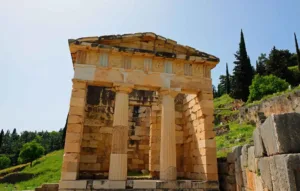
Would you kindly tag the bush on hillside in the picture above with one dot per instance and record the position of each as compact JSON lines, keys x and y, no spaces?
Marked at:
{"x":266,"y":85}
{"x":31,"y":151}
{"x":4,"y":162}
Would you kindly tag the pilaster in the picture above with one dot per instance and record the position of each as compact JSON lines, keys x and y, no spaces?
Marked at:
{"x":71,"y":159}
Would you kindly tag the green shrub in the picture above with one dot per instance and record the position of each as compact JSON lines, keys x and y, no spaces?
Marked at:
{"x":31,"y":151}
{"x":266,"y":85}
{"x":4,"y":162}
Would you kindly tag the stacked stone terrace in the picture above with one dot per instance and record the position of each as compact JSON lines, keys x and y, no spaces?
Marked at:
{"x":139,"y":102}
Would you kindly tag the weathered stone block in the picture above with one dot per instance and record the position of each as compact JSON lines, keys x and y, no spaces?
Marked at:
{"x":144,"y":184}
{"x":250,"y":180}
{"x":71,"y":157}
{"x":237,"y":151}
{"x":208,"y":143}
{"x":75,"y":119}
{"x":259,"y":150}
{"x":88,"y":158}
{"x":101,"y":184}
{"x":81,"y":93}
{"x":115,"y":184}
{"x":264,"y":172}
{"x":244,"y":157}
{"x":70,"y":166}
{"x":73,"y":137}
{"x":72,"y":148}
{"x":205,"y":135}
{"x":69,"y":175}
{"x":258,"y":183}
{"x":76,"y":184}
{"x":251,"y":159}
{"x":74,"y":128}
{"x":76,"y":111}
{"x":285,"y":173}
{"x":230,"y":158}
{"x":79,"y":84}
{"x":280,"y":133}
{"x":77,"y":102}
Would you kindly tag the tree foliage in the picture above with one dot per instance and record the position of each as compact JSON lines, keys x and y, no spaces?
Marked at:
{"x":4,"y":162}
{"x":228,"y":83}
{"x":242,"y":72}
{"x":261,"y":64}
{"x":266,"y":85}
{"x":12,"y":142}
{"x":31,"y":151}
{"x":1,"y":137}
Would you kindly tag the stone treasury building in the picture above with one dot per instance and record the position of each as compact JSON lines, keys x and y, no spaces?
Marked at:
{"x":140,"y":102}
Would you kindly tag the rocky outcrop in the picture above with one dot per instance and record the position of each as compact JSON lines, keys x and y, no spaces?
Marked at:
{"x":286,"y":103}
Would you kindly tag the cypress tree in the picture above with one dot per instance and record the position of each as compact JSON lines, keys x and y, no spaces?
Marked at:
{"x":1,"y":137}
{"x":228,"y":86}
{"x":242,"y":72}
{"x":297,"y":51}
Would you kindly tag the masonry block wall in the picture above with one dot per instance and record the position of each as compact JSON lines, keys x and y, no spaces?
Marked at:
{"x":199,"y":143}
{"x":273,"y":163}
{"x":95,"y":125}
{"x":139,"y":135}
{"x":70,"y":167}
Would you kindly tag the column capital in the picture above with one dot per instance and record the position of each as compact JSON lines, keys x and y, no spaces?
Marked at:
{"x":123,"y":87}
{"x":171,"y":92}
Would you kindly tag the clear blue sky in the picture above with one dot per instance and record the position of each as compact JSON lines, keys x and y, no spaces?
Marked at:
{"x":36,"y":68}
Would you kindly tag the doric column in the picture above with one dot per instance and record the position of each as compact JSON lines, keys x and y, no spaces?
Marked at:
{"x":118,"y":156}
{"x":168,"y":170}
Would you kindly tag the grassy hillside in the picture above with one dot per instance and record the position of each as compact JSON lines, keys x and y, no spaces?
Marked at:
{"x":239,"y":134}
{"x":45,"y":170}
{"x":226,"y":112}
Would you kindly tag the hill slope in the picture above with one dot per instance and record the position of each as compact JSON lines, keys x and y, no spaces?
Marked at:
{"x":45,"y":170}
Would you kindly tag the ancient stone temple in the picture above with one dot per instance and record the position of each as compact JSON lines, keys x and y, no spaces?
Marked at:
{"x":140,"y":102}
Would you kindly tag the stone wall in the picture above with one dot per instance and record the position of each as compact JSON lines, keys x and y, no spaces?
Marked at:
{"x":198,"y":138}
{"x":139,"y":131}
{"x":286,"y":103}
{"x":97,"y":133}
{"x":273,"y":163}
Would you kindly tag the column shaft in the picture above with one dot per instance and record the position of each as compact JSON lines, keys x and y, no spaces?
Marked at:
{"x":168,"y":169}
{"x":118,"y":157}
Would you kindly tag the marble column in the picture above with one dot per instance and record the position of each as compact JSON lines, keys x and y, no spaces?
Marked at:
{"x":168,"y":170}
{"x":118,"y":156}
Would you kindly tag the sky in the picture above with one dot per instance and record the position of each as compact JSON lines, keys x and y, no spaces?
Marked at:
{"x":36,"y":68}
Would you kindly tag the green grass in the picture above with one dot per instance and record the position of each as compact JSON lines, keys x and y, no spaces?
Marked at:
{"x":225,"y":102}
{"x":13,"y":169}
{"x":224,"y":109}
{"x":46,"y":169}
{"x":241,"y":132}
